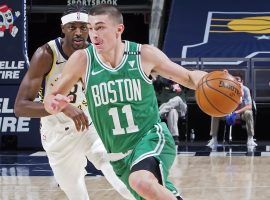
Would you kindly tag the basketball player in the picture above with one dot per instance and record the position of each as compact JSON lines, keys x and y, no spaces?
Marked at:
{"x":122,"y":103}
{"x":66,"y":148}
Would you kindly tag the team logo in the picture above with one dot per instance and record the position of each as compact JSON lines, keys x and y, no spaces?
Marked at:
{"x":232,"y":35}
{"x":7,"y":20}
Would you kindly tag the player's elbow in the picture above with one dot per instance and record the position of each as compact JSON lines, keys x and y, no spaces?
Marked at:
{"x":17,"y":109}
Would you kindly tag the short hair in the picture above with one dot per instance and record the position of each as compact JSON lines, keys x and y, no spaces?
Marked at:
{"x":74,"y":8}
{"x":107,"y":9}
{"x":238,"y":74}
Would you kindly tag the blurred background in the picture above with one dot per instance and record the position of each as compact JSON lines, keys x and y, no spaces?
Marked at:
{"x":209,"y":35}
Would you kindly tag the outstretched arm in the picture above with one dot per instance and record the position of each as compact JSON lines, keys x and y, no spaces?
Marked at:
{"x":40,"y":65}
{"x":74,"y":69}
{"x":154,"y":60}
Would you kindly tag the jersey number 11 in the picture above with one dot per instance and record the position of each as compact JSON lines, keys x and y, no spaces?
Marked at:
{"x":118,"y":130}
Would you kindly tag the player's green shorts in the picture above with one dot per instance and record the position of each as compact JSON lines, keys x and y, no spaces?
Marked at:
{"x":158,"y":143}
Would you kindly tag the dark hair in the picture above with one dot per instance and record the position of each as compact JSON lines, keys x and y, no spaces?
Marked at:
{"x":107,"y":9}
{"x":238,"y":74}
{"x":73,"y":8}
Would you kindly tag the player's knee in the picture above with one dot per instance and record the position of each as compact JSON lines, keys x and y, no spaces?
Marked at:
{"x":97,"y":154}
{"x":143,"y":183}
{"x":98,"y":159}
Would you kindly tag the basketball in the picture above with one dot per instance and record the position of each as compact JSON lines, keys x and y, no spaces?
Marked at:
{"x":218,"y":93}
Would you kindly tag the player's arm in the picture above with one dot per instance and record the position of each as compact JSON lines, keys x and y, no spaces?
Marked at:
{"x":154,"y":60}
{"x":74,"y":70}
{"x":40,"y":65}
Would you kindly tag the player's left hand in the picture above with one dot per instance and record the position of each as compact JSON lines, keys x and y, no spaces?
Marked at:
{"x":78,"y":116}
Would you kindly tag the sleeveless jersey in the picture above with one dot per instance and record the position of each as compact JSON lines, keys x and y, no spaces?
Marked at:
{"x":60,"y":120}
{"x":121,"y":101}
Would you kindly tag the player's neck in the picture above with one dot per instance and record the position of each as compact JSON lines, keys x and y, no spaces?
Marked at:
{"x":113,"y":57}
{"x":68,"y":50}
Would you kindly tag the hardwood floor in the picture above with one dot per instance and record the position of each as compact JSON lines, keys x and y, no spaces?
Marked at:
{"x":232,"y":175}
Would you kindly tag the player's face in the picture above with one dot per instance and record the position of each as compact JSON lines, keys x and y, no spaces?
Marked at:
{"x":104,"y":33}
{"x":76,"y":34}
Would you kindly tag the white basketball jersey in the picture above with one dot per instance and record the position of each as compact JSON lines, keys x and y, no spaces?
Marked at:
{"x":60,"y":120}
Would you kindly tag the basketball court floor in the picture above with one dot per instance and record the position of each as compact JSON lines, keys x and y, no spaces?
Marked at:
{"x":231,"y":172}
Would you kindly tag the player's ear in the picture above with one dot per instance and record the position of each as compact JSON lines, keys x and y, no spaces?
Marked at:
{"x":62,"y":28}
{"x":120,"y":29}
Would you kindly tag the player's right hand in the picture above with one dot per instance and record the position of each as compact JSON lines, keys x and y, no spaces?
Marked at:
{"x":56,"y":103}
{"x":77,"y":115}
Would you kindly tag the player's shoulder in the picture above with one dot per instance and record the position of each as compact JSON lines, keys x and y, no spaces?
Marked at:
{"x":146,"y":48}
{"x":44,"y":51}
{"x":49,"y":47}
{"x":150,"y":50}
{"x":152,"y":54}
{"x":80,"y":53}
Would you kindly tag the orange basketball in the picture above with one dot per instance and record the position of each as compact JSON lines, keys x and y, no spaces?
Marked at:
{"x":218,"y":94}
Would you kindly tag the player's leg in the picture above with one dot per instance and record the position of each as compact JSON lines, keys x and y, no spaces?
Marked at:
{"x":98,"y":156}
{"x":151,"y":162}
{"x":146,"y":180}
{"x":68,"y":161}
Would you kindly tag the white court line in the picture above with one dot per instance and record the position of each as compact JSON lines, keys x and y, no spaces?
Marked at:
{"x":199,"y":188}
{"x":26,"y":164}
{"x":265,"y":153}
{"x":186,"y":154}
{"x":218,"y":154}
{"x":39,"y":153}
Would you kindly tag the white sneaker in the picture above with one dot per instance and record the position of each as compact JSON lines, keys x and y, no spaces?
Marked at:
{"x":251,"y":142}
{"x":213,"y":142}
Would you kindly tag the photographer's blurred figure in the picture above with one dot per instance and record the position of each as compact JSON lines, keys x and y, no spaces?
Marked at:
{"x":169,"y":95}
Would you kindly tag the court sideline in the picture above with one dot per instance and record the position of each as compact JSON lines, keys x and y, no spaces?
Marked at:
{"x":229,"y":172}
